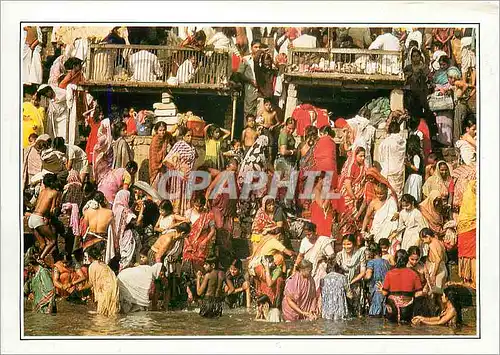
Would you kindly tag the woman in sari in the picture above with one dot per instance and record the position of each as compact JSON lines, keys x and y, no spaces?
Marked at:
{"x":122,"y":153}
{"x":269,"y":279}
{"x":325,"y":154}
{"x":401,"y":285}
{"x":440,"y":181}
{"x":351,"y":184}
{"x":461,"y":177}
{"x":305,"y":152}
{"x":33,"y":119}
{"x":93,"y":119}
{"x":423,"y":304}
{"x":73,"y":190}
{"x":431,"y":210}
{"x":264,"y":224}
{"x":466,"y":229}
{"x":255,"y":160}
{"x":352,"y":261}
{"x":373,"y":178}
{"x":376,"y":269}
{"x":44,"y":295}
{"x":104,"y":285}
{"x":301,"y":299}
{"x":103,"y":152}
{"x":199,"y":242}
{"x":160,"y":144}
{"x":181,"y":158}
{"x":317,"y":250}
{"x":117,"y":179}
{"x":125,"y":237}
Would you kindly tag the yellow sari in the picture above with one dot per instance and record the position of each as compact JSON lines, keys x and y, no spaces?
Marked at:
{"x":33,"y":118}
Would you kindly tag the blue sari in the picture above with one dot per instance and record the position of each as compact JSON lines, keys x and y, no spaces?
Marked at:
{"x":379,"y":268}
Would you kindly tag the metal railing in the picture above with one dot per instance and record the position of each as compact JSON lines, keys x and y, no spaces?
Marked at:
{"x":346,"y":61}
{"x":156,"y":65}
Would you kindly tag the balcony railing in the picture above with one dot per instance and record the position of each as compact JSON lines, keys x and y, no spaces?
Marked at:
{"x":346,"y":63}
{"x":149,"y":66}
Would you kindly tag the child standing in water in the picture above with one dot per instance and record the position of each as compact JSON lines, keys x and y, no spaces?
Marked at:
{"x":376,"y":268}
{"x":209,"y":287}
{"x":214,"y":136}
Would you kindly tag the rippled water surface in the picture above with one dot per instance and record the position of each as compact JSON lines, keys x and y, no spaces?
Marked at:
{"x":75,"y":320}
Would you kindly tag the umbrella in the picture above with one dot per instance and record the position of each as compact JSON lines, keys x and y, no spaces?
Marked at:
{"x":148,"y":189}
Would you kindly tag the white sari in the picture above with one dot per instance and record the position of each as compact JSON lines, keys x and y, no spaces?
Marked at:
{"x":382,"y":226}
{"x":323,"y":247}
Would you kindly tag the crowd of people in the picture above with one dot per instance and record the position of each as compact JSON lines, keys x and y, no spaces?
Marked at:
{"x":377,"y":236}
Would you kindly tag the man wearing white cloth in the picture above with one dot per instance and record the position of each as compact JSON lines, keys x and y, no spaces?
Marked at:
{"x":32,"y":61}
{"x":392,"y":152}
{"x":384,"y":210}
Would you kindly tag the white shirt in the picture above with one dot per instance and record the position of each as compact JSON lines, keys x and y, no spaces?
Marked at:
{"x":134,"y":283}
{"x":145,"y":66}
{"x":392,"y":153}
{"x":305,"y":41}
{"x":185,"y":72}
{"x":386,"y":42}
{"x":467,"y":151}
{"x":220,"y":41}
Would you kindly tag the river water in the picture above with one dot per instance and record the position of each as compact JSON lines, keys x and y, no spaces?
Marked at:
{"x":75,"y":320}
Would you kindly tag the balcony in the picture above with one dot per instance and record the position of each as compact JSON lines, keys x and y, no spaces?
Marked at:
{"x":156,"y":67}
{"x":345,"y":67}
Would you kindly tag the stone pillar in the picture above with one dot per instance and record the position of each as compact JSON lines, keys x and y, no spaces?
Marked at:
{"x":291,"y":100}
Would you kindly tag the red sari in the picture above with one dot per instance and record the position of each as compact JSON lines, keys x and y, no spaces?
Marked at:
{"x":197,"y":245}
{"x":356,"y":174}
{"x":92,"y":140}
{"x":157,"y":152}
{"x":325,"y":157}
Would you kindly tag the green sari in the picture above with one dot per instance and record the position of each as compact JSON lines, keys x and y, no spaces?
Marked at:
{"x":44,"y":292}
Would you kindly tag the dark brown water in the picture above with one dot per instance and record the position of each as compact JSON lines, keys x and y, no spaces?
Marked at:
{"x":75,"y":320}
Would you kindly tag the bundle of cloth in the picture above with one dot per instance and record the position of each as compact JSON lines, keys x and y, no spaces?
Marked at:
{"x":376,"y":111}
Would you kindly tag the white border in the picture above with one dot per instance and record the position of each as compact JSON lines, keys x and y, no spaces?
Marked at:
{"x":485,"y":13}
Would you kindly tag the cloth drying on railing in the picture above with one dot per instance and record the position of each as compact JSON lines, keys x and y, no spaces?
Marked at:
{"x":74,"y":221}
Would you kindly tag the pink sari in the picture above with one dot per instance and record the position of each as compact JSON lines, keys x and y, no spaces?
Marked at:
{"x":303,"y":292}
{"x":103,"y":152}
{"x":123,"y":241}
{"x":112,"y":183}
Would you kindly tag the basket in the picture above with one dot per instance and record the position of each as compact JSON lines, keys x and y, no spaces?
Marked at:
{"x":196,"y":127}
{"x":440,"y":102}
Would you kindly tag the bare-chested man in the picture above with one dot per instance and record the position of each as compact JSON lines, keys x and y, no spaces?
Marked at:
{"x":270,"y":116}
{"x":98,"y":218}
{"x":47,"y":206}
{"x":384,"y":210}
{"x":209,"y":286}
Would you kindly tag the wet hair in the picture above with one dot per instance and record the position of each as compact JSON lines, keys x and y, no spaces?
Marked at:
{"x":150,"y":213}
{"x":409,"y":199}
{"x":50,"y":180}
{"x":118,"y":127}
{"x":237,"y":264}
{"x":167,"y":207}
{"x":183,"y":228}
{"x":199,"y":199}
{"x":459,"y":297}
{"x":289,"y":120}
{"x":401,"y":259}
{"x":89,"y":188}
{"x":131,"y":166}
{"x":468,"y":123}
{"x":394,"y":127}
{"x":327,"y":130}
{"x":58,"y":144}
{"x":267,"y":100}
{"x":374,"y":249}
{"x":304,"y":265}
{"x":310,"y":227}
{"x":384,"y":242}
{"x":349,"y":237}
{"x":72,"y":62}
{"x":426,"y":232}
{"x":444,"y":59}
{"x":414,"y":250}
{"x":160,"y":124}
{"x":100,"y":199}
{"x":413,"y":146}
